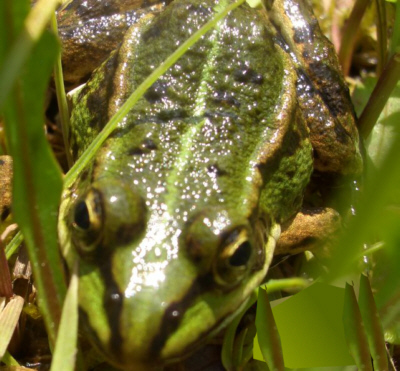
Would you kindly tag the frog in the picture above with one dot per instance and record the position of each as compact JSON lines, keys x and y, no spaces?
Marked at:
{"x":174,"y":222}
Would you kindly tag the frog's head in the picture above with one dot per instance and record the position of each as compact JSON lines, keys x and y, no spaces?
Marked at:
{"x":154,"y":285}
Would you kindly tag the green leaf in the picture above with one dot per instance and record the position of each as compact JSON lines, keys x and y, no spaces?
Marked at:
{"x":372,"y":325}
{"x":354,"y":331}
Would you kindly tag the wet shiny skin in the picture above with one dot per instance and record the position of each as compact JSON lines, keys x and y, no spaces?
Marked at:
{"x":175,"y":220}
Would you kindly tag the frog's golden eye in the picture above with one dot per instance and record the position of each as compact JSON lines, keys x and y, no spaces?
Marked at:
{"x":233,"y":260}
{"x":108,"y":215}
{"x":87,"y":221}
{"x":81,"y":215}
{"x":242,"y":255}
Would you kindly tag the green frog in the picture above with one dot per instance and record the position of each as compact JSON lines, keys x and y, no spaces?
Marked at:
{"x":175,"y":220}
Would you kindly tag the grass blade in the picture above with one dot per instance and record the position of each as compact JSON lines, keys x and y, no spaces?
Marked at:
{"x":372,"y":325}
{"x":66,"y":345}
{"x":9,"y":360}
{"x":37,"y":179}
{"x":354,"y":331}
{"x":386,"y":83}
{"x":268,"y":336}
{"x":349,"y":34}
{"x":8,"y":321}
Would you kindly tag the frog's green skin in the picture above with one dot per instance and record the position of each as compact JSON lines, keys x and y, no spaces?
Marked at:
{"x":175,"y":220}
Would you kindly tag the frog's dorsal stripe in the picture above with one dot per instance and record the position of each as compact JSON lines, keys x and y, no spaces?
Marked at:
{"x":203,"y":91}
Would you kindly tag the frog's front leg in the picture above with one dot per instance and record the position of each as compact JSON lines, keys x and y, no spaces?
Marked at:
{"x":309,"y":229}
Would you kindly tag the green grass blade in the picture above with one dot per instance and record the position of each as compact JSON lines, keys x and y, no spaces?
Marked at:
{"x":382,"y":34}
{"x":12,"y":247}
{"x":8,"y":321}
{"x":268,"y":336}
{"x":37,"y":179}
{"x":372,"y":324}
{"x":395,"y":40}
{"x":66,"y":345}
{"x":377,"y":101}
{"x":9,"y":360}
{"x":294,"y":284}
{"x":354,"y":331}
{"x":138,"y":93}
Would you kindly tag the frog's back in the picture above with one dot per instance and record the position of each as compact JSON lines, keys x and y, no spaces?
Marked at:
{"x":201,"y":131}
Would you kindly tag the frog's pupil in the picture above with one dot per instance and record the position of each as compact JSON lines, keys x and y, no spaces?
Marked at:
{"x":242,"y":255}
{"x":81,"y":215}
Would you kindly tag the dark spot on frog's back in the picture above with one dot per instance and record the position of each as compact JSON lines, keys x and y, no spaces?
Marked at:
{"x":292,"y":142}
{"x":156,"y":92}
{"x":225,"y":98}
{"x":333,"y":91}
{"x":341,"y":135}
{"x":216,"y":169}
{"x":173,"y":114}
{"x":248,"y":75}
{"x":98,"y":100}
{"x":305,"y":36}
{"x":146,"y":146}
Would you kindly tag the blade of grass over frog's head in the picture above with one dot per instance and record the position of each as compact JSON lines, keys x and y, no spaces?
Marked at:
{"x":34,"y":25}
{"x":61,"y":96}
{"x":138,"y":93}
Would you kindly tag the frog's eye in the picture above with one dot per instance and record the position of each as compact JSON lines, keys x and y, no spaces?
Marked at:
{"x":108,"y":215}
{"x":87,"y":221}
{"x":81,"y":215}
{"x":242,"y":255}
{"x":233,"y":260}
